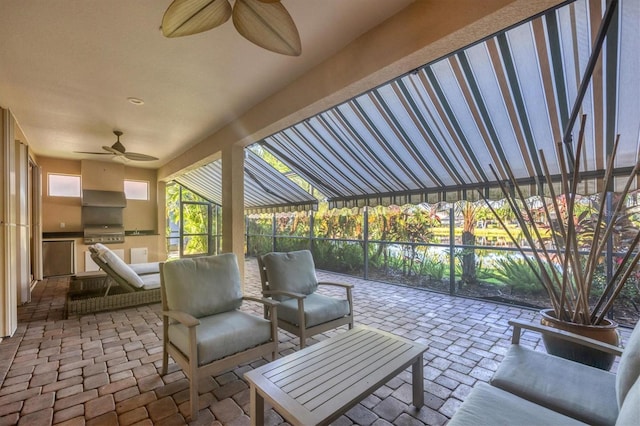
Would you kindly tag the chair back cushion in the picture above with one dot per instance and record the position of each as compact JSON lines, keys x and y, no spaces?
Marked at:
{"x":629,"y":367}
{"x":203,"y":286}
{"x":293,"y":271}
{"x":120,"y":268}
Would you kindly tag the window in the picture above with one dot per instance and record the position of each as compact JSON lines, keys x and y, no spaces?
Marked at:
{"x":63,"y":185}
{"x":136,"y":190}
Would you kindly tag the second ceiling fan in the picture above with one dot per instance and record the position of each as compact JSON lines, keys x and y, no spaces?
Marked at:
{"x":119,"y":150}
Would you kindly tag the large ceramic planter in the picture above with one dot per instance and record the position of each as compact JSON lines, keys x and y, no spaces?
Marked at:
{"x":607,"y":333}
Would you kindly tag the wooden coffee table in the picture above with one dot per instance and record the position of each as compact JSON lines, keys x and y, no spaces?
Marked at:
{"x":319,"y":383}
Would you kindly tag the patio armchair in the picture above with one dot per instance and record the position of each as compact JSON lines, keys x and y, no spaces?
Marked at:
{"x":533,"y":387}
{"x":203,"y":330}
{"x":290,"y":278}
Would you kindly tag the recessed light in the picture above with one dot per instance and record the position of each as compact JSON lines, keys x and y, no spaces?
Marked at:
{"x":136,"y":101}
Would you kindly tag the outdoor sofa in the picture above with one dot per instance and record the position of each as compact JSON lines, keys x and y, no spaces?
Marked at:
{"x":123,"y":286}
{"x":535,"y":388}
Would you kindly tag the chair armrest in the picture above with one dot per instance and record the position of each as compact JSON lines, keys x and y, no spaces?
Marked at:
{"x":262,"y":300}
{"x":182,"y":317}
{"x":344,"y":285}
{"x":518,"y":325}
{"x":284,"y":293}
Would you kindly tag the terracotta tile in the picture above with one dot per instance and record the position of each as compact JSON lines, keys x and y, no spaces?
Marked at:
{"x":99,"y":406}
{"x":162,"y":408}
{"x":73,"y":412}
{"x":38,"y":418}
{"x":133,"y":416}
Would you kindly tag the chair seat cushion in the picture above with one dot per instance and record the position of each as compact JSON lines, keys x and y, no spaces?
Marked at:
{"x":576,"y":390}
{"x":221,"y":335}
{"x":318,"y":309}
{"x":630,"y":410}
{"x":150,"y":281}
{"x":487,"y":405}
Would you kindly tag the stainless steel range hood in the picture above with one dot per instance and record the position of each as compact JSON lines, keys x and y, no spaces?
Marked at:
{"x":95,"y":198}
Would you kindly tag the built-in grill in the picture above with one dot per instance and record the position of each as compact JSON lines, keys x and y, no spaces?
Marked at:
{"x":105,"y":234}
{"x":102,"y":216}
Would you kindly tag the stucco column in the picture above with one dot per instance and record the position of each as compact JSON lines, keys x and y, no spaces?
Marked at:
{"x":233,"y":204}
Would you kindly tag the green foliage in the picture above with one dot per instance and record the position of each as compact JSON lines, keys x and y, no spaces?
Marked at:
{"x":515,"y":273}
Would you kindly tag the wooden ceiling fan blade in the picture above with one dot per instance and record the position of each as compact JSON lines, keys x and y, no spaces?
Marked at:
{"x":112,"y":150}
{"x":92,"y":152}
{"x":186,"y":17}
{"x":268,"y":25}
{"x":135,"y":156}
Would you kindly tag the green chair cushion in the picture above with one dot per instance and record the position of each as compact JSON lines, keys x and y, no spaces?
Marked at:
{"x":221,"y":335}
{"x":574,"y":389}
{"x":203,"y":286}
{"x":318,"y":309}
{"x":630,"y":410}
{"x":487,"y":405}
{"x":293,"y":271}
{"x":629,"y":367}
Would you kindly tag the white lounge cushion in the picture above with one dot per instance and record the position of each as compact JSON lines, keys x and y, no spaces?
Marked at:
{"x":119,"y":267}
{"x":150,"y":281}
{"x":145,"y":268}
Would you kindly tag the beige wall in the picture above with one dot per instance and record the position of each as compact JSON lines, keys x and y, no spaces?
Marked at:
{"x":107,"y":176}
{"x":57,"y":210}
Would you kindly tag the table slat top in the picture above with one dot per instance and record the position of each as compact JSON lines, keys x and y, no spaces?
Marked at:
{"x":317,"y":381}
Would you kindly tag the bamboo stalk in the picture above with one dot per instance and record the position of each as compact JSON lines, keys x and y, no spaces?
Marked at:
{"x":613,"y":279}
{"x":618,"y":288}
{"x":562,"y":255}
{"x":546,"y":281}
{"x":594,"y":254}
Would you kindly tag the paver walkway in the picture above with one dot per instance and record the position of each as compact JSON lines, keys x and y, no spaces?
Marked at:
{"x":103,"y":369}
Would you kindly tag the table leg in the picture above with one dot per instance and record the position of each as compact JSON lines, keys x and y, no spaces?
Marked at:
{"x":418,"y":382}
{"x":257,"y":407}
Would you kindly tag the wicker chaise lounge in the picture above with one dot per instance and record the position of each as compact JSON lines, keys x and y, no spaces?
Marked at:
{"x":124,"y":285}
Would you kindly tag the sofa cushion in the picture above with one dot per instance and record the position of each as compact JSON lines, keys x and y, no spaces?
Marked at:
{"x":203,"y":286}
{"x":318,"y":309}
{"x":222,"y":335}
{"x":293,"y":271}
{"x":120,"y":268}
{"x":559,"y":384}
{"x":488,"y":405}
{"x":629,"y":367}
{"x":630,"y":410}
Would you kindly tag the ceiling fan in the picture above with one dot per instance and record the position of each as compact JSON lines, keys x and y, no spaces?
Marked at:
{"x":263,"y":22}
{"x":119,"y":150}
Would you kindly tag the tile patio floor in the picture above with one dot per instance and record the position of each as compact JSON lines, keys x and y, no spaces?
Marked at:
{"x":103,"y":369}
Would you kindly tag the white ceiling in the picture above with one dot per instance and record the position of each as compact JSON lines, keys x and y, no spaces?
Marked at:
{"x":67,"y":68}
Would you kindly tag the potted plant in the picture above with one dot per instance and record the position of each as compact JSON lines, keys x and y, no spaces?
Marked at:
{"x":565,"y":249}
